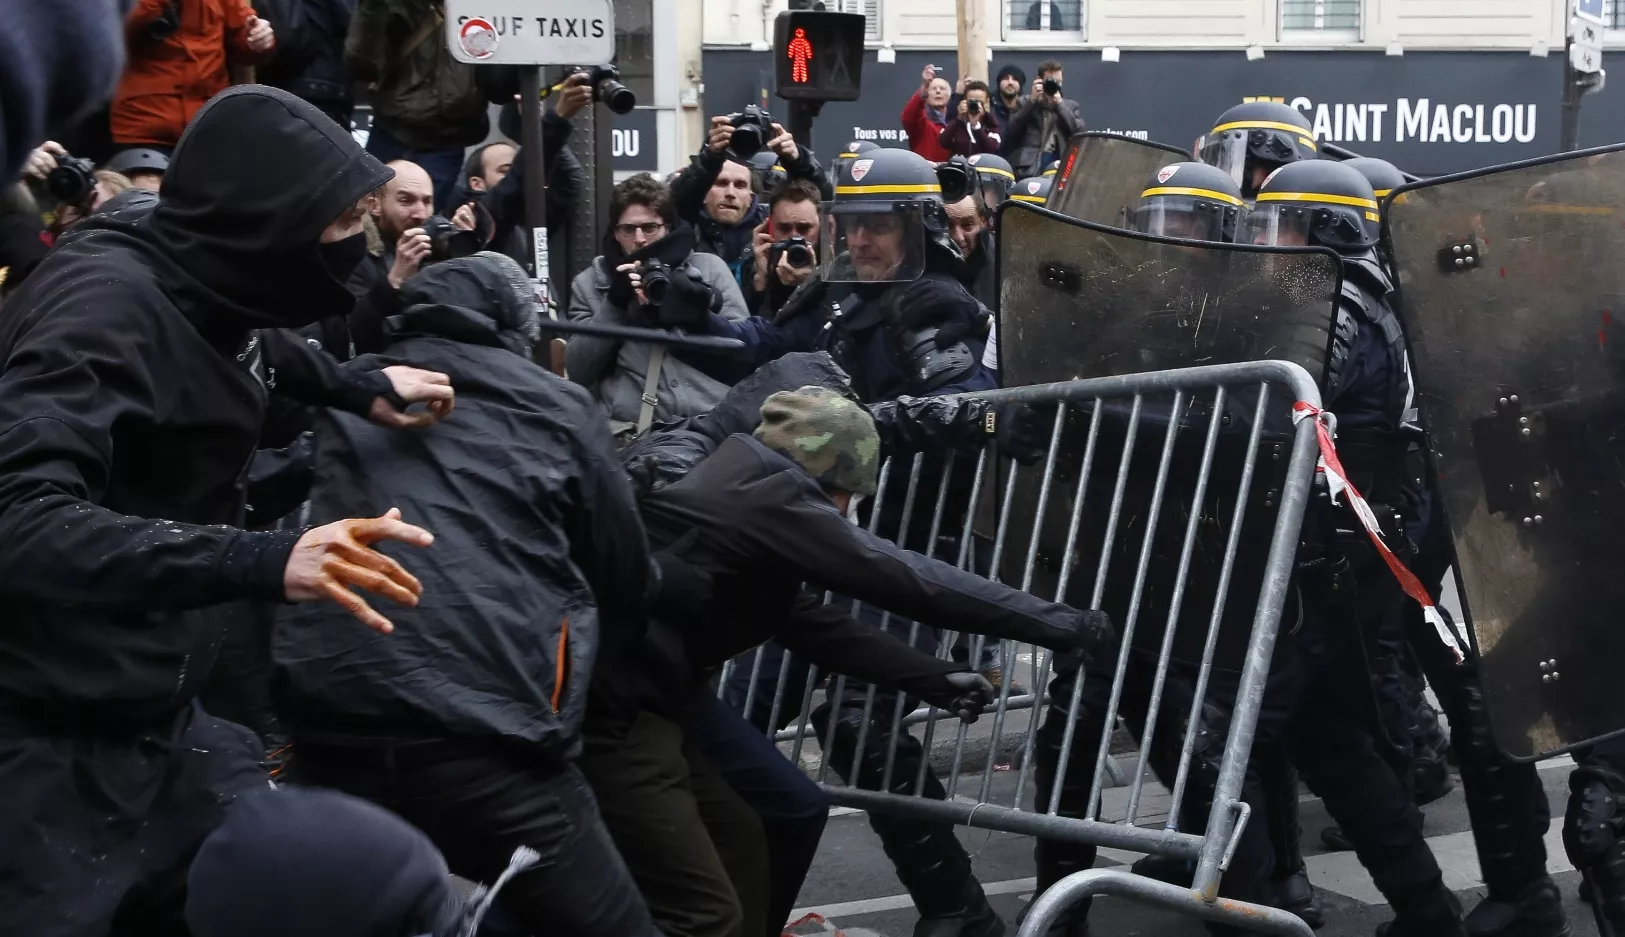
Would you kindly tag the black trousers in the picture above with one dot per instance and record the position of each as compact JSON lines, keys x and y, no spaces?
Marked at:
{"x":478,"y":804}
{"x":695,"y":848}
{"x":97,"y":832}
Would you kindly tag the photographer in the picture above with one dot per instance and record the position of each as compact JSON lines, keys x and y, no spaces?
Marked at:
{"x":179,"y":53}
{"x":57,"y":190}
{"x":925,"y":116}
{"x":714,"y":193}
{"x":495,"y":174}
{"x":784,"y":252}
{"x":638,"y":384}
{"x":973,"y":129}
{"x":1038,"y":132}
{"x":397,"y":246}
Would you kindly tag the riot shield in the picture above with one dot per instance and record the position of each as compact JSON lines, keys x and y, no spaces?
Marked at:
{"x":1511,"y":283}
{"x":1103,"y":174}
{"x":1080,"y":300}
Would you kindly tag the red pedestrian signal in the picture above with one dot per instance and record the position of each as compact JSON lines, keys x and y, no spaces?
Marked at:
{"x":818,"y":55}
{"x":801,"y":52}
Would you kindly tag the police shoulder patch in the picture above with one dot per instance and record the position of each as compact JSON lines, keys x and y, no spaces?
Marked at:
{"x":861,"y":169}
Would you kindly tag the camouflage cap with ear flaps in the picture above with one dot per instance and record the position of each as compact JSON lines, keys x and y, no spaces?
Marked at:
{"x":830,"y":437}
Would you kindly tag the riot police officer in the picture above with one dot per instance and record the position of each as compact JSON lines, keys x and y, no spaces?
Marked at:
{"x":1033,"y":190}
{"x":1351,"y":598}
{"x":889,"y":307}
{"x":995,"y":176}
{"x":1384,"y":176}
{"x":769,"y":172}
{"x":1250,"y":141}
{"x":1190,"y":200}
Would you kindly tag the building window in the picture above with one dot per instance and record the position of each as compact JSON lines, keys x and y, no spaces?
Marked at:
{"x":1614,"y":14}
{"x":1043,"y":16}
{"x":1327,"y":19}
{"x":872,"y":12}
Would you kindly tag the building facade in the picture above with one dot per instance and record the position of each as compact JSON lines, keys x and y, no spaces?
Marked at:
{"x":1436,"y":85}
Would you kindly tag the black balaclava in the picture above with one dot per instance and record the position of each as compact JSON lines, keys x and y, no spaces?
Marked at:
{"x":255,"y":179}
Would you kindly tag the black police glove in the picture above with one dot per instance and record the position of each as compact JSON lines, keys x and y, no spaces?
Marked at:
{"x":965,"y":695}
{"x":687,"y":304}
{"x":943,"y":304}
{"x":1021,"y":432}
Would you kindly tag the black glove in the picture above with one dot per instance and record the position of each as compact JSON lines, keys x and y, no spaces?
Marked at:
{"x":1021,"y":432}
{"x":963,"y":694}
{"x":1091,"y":631}
{"x":683,"y":589}
{"x":942,"y":303}
{"x":687,"y":304}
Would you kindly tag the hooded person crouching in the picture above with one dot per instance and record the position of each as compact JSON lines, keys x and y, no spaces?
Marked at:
{"x":466,"y":720}
{"x":135,"y":369}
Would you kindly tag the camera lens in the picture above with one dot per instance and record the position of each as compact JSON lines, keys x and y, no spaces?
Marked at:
{"x":655,"y":281}
{"x":71,"y":181}
{"x":746,"y":141}
{"x":1051,"y":86}
{"x":798,"y":256}
{"x":616,"y":96}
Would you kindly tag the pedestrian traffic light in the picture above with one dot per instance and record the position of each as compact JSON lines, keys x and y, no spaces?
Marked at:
{"x":818,"y":56}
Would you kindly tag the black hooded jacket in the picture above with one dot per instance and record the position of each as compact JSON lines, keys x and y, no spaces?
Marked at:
{"x":133,"y":384}
{"x":539,"y":557}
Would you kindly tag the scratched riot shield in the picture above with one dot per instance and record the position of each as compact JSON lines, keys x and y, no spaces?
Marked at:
{"x":1512,"y":289}
{"x":1103,"y":174}
{"x":1081,"y":300}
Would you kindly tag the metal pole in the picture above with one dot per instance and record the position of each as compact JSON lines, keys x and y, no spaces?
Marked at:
{"x":1572,"y":92}
{"x":530,"y":115}
{"x":801,"y":120}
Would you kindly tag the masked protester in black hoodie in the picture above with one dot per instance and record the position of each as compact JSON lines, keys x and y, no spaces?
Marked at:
{"x":135,"y":367}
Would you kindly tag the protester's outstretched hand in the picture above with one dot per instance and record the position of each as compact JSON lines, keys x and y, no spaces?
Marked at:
{"x":414,"y":385}
{"x":328,"y":560}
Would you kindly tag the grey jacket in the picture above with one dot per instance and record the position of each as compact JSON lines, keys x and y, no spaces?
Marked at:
{"x":615,"y":371}
{"x":1032,"y":124}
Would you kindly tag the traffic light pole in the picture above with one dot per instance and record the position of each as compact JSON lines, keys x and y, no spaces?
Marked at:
{"x":801,"y":120}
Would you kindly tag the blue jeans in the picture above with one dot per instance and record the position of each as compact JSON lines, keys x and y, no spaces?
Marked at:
{"x":443,"y":166}
{"x":792,"y":808}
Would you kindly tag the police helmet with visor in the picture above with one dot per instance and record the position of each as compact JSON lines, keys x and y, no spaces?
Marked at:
{"x":769,"y":173}
{"x":1249,"y":140}
{"x":995,"y":176}
{"x":1190,"y":200}
{"x":1034,"y":190}
{"x":1320,"y":203}
{"x":886,"y":214}
{"x":851,"y":152}
{"x":1384,"y":176}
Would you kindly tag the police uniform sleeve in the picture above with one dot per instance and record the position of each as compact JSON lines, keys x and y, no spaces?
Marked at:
{"x":790,"y":527}
{"x":828,"y":635}
{"x":65,"y":387}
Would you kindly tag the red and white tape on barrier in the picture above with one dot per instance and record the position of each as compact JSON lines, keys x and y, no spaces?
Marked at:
{"x":1338,"y":481}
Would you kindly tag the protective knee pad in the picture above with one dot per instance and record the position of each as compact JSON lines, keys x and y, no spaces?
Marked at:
{"x":1592,"y":836}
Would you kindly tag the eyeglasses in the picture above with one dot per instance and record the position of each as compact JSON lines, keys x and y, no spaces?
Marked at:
{"x":649,"y":229}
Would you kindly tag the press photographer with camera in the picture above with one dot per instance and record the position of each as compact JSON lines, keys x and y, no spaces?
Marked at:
{"x":1038,"y":131}
{"x":784,"y":251}
{"x":973,"y":129}
{"x":715,"y":192}
{"x":650,"y":274}
{"x":403,"y":234}
{"x":56,"y":190}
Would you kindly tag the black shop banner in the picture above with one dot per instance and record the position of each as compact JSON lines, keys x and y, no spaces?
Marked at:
{"x":1428,"y":112}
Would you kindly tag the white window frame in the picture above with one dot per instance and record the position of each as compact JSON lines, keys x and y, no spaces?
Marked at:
{"x":1317,"y":36}
{"x":1042,"y":36}
{"x":1612,"y":35}
{"x":874,"y":12}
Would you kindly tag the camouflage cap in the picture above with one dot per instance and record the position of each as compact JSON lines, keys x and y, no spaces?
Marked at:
{"x":829,"y":436}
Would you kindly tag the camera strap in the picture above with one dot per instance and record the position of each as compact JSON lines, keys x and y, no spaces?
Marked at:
{"x":651,"y":389}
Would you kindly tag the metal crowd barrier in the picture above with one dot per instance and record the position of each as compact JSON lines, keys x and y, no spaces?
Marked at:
{"x":1225,"y":393}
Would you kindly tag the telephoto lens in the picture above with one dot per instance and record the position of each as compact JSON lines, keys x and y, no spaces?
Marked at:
{"x":607,"y":88}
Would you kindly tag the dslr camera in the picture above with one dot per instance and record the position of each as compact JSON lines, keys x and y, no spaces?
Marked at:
{"x":72,"y":181}
{"x":753,"y":127}
{"x":662,"y":282}
{"x":447,"y":241}
{"x":1051,"y":86}
{"x":796,"y":251}
{"x":973,"y":106}
{"x":608,"y":90}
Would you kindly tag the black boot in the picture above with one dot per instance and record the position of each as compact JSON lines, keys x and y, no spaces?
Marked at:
{"x":1435,"y":912}
{"x":975,"y":919}
{"x":1535,"y":912}
{"x":1295,"y":895}
{"x":1168,"y":869}
{"x":1332,"y":838}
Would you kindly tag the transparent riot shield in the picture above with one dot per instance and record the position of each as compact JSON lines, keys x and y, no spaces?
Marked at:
{"x":1081,"y":300}
{"x":1511,"y":289}
{"x":1103,"y":174}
